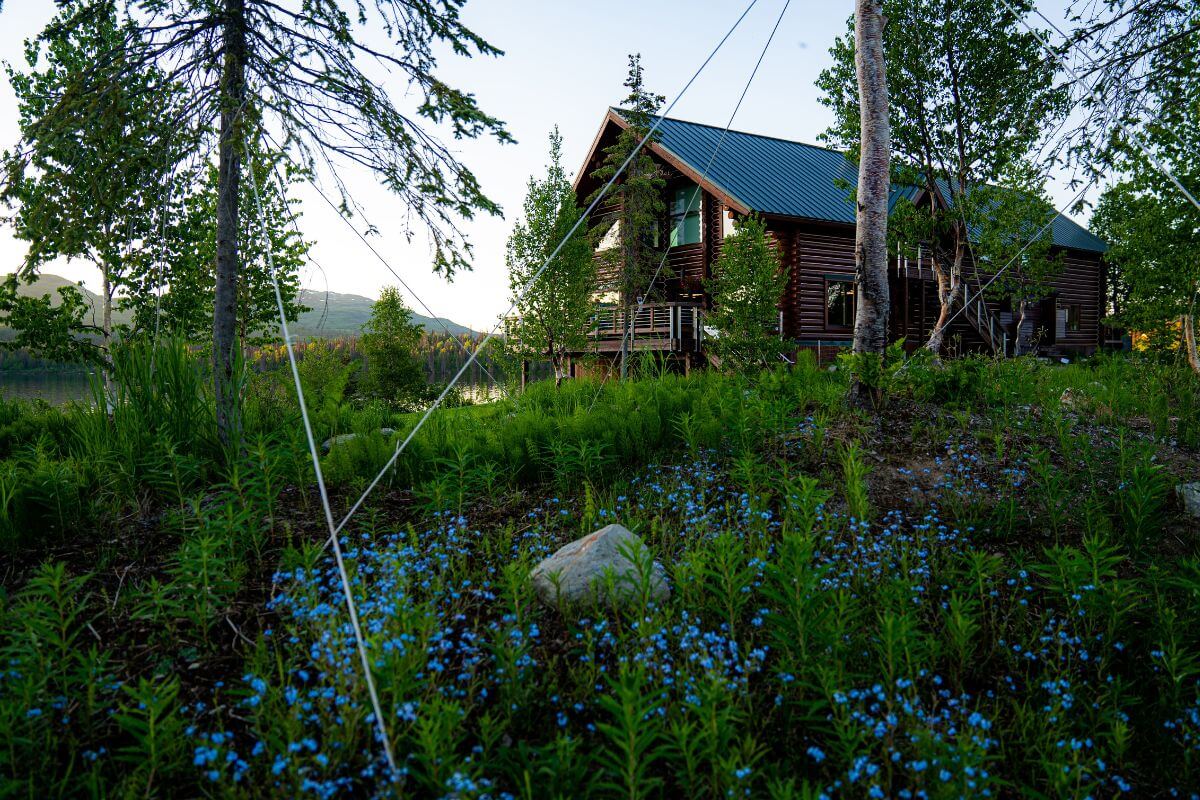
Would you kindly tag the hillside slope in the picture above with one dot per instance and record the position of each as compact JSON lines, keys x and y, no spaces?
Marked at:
{"x":332,"y":315}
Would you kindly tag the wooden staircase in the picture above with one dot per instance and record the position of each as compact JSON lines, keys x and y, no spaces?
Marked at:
{"x":989,"y":327}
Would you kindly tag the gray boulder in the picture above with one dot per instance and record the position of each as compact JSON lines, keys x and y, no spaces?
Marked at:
{"x":597,"y":568}
{"x":342,"y":438}
{"x":1189,"y":496}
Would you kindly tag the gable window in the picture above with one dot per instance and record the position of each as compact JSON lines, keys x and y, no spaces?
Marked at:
{"x":839,"y":302}
{"x":685,"y":216}
{"x":1073,"y":314}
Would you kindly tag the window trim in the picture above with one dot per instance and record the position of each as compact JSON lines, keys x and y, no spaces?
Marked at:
{"x":834,"y":278}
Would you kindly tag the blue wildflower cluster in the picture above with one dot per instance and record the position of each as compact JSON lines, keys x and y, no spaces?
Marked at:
{"x":915,"y":744}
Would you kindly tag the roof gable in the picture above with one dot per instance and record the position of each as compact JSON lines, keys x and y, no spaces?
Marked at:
{"x":779,"y":177}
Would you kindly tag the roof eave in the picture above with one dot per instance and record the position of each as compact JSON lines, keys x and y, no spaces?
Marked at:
{"x":676,"y":161}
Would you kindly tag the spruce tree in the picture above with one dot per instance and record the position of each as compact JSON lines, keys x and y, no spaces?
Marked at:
{"x":746,"y":288}
{"x":638,"y":201}
{"x":298,"y":70}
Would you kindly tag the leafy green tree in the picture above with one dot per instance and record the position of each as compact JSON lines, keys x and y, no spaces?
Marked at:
{"x":184,"y":257}
{"x":971,"y":96}
{"x":553,"y":316}
{"x":1121,"y":53}
{"x":1155,"y":248}
{"x":1152,"y":228}
{"x":389,"y":343}
{"x":746,"y":287}
{"x":298,"y":69}
{"x":1013,"y":236}
{"x":636,"y":198}
{"x":57,"y":328}
{"x":87,"y":186}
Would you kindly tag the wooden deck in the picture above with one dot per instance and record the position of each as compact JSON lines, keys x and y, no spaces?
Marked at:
{"x":661,"y":327}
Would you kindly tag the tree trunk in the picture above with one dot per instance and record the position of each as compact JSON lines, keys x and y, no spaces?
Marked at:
{"x":233,"y":92}
{"x":1188,"y":323}
{"x":1022,"y":310}
{"x":556,"y":360}
{"x":870,"y":246}
{"x":626,"y":341}
{"x":949,"y":288}
{"x":107,"y":291}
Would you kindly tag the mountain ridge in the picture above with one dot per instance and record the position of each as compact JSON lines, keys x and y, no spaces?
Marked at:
{"x":331,"y":315}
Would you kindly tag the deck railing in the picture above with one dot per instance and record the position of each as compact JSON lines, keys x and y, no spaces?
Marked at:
{"x":674,"y":326}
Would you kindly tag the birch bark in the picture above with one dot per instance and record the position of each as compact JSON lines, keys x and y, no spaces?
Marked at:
{"x":874,"y":173}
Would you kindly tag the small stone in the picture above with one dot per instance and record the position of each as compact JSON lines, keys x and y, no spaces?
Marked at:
{"x":579,"y":573}
{"x":1189,"y":496}
{"x":342,"y":438}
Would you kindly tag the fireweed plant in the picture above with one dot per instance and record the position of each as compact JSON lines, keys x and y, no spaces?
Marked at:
{"x":985,"y":593}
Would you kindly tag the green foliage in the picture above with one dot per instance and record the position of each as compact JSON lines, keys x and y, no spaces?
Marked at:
{"x":637,"y":195}
{"x":876,"y":373}
{"x":746,"y":287}
{"x":90,"y":184}
{"x":1022,"y":615}
{"x":1152,"y":228}
{"x":174,"y":294}
{"x":554,"y":313}
{"x":971,"y":96}
{"x":49,"y":327}
{"x":392,"y":373}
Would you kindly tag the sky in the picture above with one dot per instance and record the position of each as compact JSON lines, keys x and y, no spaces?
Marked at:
{"x":564,"y":63}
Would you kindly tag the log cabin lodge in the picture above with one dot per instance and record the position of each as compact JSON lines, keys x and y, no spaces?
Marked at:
{"x":802,"y":193}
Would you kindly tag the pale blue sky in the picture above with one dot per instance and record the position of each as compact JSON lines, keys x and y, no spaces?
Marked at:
{"x":564,"y":64}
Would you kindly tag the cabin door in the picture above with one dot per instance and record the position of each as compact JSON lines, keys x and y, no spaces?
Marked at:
{"x":1047,"y":330}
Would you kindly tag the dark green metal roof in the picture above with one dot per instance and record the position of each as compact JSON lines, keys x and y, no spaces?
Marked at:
{"x":793,"y":179}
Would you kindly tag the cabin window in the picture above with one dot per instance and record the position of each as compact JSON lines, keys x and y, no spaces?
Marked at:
{"x":1073,"y":314}
{"x":685,"y":216}
{"x":839,"y":302}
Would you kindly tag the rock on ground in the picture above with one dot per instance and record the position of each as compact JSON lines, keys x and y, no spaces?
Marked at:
{"x":579,"y":572}
{"x":1189,"y":495}
{"x":342,"y":438}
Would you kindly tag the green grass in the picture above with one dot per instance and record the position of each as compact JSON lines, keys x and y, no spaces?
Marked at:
{"x":981,"y":593}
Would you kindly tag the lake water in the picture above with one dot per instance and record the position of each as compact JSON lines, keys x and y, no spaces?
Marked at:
{"x":56,"y":388}
{"x":59,"y":388}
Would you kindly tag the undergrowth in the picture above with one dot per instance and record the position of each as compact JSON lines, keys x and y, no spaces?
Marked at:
{"x":990,"y":590}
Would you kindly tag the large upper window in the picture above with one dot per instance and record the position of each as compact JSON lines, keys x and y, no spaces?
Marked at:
{"x":839,"y":302}
{"x":685,"y":216}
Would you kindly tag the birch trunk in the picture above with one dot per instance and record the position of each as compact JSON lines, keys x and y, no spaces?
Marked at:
{"x":233,"y":91}
{"x":949,"y":288}
{"x":1018,"y":343}
{"x":1188,"y":323}
{"x":870,"y":246}
{"x":107,"y":290}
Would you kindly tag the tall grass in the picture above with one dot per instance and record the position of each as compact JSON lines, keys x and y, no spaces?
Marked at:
{"x":1020,"y":617}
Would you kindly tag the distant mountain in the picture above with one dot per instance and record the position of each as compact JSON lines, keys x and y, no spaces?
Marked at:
{"x":332,"y":316}
{"x":338,"y":314}
{"x":50,"y":284}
